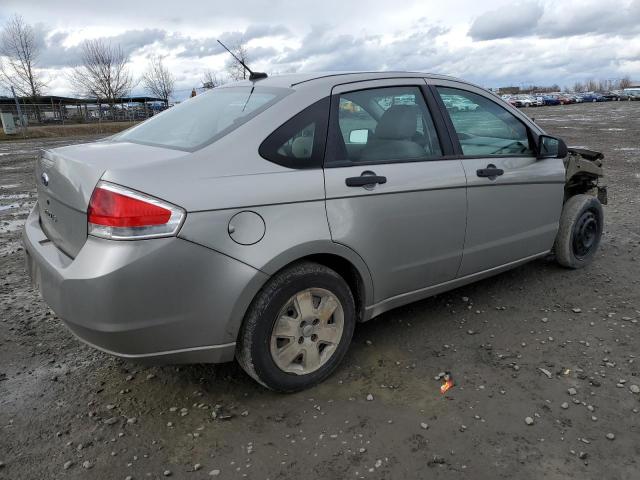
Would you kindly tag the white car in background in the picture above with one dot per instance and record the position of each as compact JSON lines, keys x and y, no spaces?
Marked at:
{"x":525,"y":101}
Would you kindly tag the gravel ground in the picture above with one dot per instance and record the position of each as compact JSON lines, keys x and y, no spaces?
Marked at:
{"x":543,"y":359}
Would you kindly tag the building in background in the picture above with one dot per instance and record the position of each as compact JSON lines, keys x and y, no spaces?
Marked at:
{"x":634,"y":87}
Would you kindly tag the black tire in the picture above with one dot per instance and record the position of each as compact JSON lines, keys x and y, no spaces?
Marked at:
{"x":253,"y":348}
{"x":581,"y":225}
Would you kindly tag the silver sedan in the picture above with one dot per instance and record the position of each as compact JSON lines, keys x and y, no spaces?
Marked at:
{"x":263,"y":219}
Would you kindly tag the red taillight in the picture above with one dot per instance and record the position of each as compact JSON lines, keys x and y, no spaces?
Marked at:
{"x":118,"y":213}
{"x":113,"y":209}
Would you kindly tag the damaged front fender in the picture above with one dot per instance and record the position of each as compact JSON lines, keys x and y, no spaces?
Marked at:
{"x":583,"y":173}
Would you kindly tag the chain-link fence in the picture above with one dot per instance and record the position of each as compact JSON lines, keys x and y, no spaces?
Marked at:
{"x":77,"y":111}
{"x":56,"y":110}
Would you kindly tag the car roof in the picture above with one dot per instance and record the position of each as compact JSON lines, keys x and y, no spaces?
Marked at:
{"x":331,"y":79}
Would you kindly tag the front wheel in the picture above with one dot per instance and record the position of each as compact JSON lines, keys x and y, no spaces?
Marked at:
{"x":298,"y":328}
{"x":581,"y":225}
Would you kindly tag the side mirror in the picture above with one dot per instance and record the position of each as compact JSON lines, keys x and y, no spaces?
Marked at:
{"x":359,"y":136}
{"x":551,"y":147}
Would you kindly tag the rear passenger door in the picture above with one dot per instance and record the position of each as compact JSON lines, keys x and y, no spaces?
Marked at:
{"x":514,"y":200}
{"x":392,"y":195}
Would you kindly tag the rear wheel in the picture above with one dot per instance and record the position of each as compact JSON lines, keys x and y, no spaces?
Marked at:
{"x":581,"y":225}
{"x":298,"y":328}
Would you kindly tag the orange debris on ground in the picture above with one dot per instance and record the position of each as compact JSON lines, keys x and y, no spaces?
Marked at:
{"x":448,"y":383}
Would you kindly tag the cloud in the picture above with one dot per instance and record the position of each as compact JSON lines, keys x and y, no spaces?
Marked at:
{"x":525,"y":60}
{"x":134,"y":40}
{"x":515,"y":20}
{"x":558,"y":20}
{"x":492,"y":43}
{"x":204,"y":47}
{"x":601,"y":18}
{"x":261,"y":31}
{"x":320,"y":49}
{"x":55,"y":54}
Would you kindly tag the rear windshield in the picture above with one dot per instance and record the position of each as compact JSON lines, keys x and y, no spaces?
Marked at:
{"x":204,"y":118}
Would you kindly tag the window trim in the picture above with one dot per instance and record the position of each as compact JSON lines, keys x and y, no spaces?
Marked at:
{"x":334,"y":128}
{"x":317,"y":113}
{"x":453,"y":134}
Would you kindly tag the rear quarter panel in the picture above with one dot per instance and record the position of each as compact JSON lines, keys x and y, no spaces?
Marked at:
{"x":294,"y":228}
{"x":291,"y":206}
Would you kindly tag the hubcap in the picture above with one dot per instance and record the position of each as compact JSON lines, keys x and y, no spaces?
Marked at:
{"x":307,"y":331}
{"x":585,"y":234}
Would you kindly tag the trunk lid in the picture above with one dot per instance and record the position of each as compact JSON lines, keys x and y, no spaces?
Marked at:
{"x":66,"y":177}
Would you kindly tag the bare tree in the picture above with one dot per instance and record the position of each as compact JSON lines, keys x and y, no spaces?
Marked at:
{"x":604,"y":85}
{"x":234,"y":69}
{"x":20,"y":50}
{"x":624,"y":82}
{"x":591,"y":85}
{"x":211,"y":80}
{"x":103,"y":73}
{"x":158,"y":80}
{"x":18,"y":68}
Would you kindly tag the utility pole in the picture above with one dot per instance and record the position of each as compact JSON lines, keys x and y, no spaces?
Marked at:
{"x":22,"y":126}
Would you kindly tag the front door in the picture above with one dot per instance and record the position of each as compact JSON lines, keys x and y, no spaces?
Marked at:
{"x":390,"y":194}
{"x":514,"y":200}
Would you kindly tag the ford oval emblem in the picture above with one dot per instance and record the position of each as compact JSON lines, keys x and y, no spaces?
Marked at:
{"x":45,"y":179}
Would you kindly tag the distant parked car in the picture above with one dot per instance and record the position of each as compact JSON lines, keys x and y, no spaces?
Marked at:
{"x":460,"y":105}
{"x":592,"y":97}
{"x":524,"y":101}
{"x":566,"y":99}
{"x":551,"y":100}
{"x":611,"y":96}
{"x":622,"y":95}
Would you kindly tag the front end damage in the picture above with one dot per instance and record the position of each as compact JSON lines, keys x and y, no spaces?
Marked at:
{"x":583,"y":173}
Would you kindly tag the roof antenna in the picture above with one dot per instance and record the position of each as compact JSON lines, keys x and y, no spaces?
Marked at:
{"x":252,"y":75}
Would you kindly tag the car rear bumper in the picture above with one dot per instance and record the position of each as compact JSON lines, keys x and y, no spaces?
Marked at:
{"x":165,"y":300}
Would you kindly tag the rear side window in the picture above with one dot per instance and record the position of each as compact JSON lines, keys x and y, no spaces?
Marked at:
{"x":483,"y":127}
{"x":299,"y":142}
{"x":382,"y":125}
{"x":205,"y":118}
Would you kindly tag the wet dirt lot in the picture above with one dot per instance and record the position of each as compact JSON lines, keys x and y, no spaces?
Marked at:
{"x":67,"y":411}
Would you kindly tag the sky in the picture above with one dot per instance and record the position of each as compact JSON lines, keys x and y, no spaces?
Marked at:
{"x":492,"y":42}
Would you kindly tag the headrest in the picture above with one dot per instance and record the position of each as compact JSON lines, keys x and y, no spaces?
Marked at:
{"x":302,"y":147}
{"x":399,"y":122}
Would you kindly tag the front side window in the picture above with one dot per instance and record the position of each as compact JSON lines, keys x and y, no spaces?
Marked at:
{"x":483,"y":127}
{"x":204,"y":118}
{"x":382,"y":125}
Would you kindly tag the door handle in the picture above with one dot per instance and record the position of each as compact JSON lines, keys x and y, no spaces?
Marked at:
{"x":491,"y":172}
{"x":367,"y":178}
